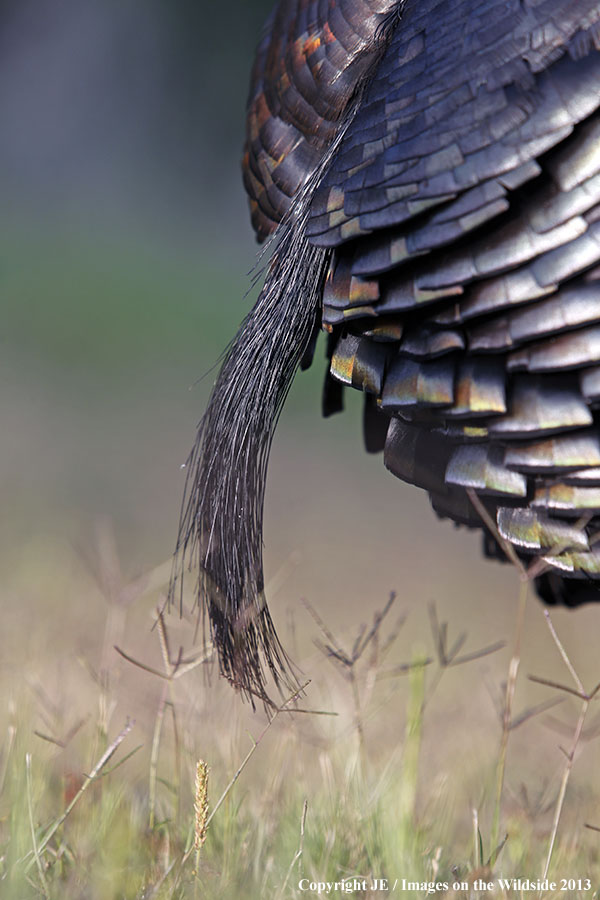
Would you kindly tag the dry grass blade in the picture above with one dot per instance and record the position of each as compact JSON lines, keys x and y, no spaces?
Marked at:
{"x":48,"y":708}
{"x":477,"y":844}
{"x":392,"y":636}
{"x":477,"y":654}
{"x":320,"y":623}
{"x":564,"y":653}
{"x":586,"y":699}
{"x":141,"y":665}
{"x":535,"y":806}
{"x":103,"y":564}
{"x":154,"y":754}
{"x":509,"y":696}
{"x":362,"y":644}
{"x":75,"y":729}
{"x":570,"y":756}
{"x":411,"y":750}
{"x":558,"y":687}
{"x":449,"y":657}
{"x":588,"y":734}
{"x":246,"y":760}
{"x":312,"y":712}
{"x":334,"y":654}
{"x":164,"y":642}
{"x":96,"y":771}
{"x":485,"y":517}
{"x":440,"y":634}
{"x":298,"y":854}
{"x":533,"y":711}
{"x":456,"y":646}
{"x":404,"y":668}
{"x":36,"y":849}
{"x":181,"y":667}
{"x":49,"y":739}
{"x":173,"y":669}
{"x":63,"y":742}
{"x":355,"y":652}
{"x":333,"y":651}
{"x":496,"y":853}
{"x":5,"y":757}
{"x":121,"y":762}
{"x":364,"y":638}
{"x":283,"y":573}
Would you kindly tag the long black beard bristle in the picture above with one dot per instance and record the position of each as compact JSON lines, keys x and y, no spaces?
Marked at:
{"x":222,"y":515}
{"x":220,"y":530}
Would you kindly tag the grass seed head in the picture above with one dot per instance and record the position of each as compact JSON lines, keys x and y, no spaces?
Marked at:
{"x":201,"y":804}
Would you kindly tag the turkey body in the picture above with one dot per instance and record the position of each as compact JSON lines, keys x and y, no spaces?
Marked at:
{"x":436,"y":167}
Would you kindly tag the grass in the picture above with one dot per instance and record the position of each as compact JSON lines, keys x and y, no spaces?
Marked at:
{"x":139,"y":780}
{"x":421,"y":752}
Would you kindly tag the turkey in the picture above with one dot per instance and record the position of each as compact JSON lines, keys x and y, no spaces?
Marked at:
{"x":430,"y":173}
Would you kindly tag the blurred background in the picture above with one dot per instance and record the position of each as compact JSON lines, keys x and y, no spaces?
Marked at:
{"x":125,"y":249}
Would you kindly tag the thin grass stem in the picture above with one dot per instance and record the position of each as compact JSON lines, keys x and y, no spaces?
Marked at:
{"x":511,"y":682}
{"x":36,"y":850}
{"x":297,"y":855}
